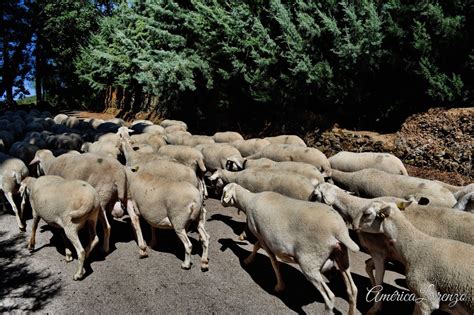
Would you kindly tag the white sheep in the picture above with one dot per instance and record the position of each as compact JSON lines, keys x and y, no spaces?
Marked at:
{"x":375,"y":183}
{"x":433,"y":266}
{"x":250,"y":146}
{"x":257,"y":180}
{"x":170,"y":122}
{"x":68,"y":204}
{"x":434,"y":221}
{"x":105,"y":174}
{"x":287,"y":139}
{"x":310,"y":234}
{"x":352,"y":162}
{"x":307,"y":170}
{"x":12,"y":172}
{"x":170,"y":204}
{"x":220,"y":156}
{"x":227,"y":137}
{"x":285,"y":152}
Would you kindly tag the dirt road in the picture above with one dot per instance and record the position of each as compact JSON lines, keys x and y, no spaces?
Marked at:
{"x":121,"y":283}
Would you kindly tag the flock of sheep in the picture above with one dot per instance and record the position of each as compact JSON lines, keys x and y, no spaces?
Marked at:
{"x":299,"y":204}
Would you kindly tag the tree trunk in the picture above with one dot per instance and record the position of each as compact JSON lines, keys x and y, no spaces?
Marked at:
{"x":7,"y":70}
{"x":39,"y":71}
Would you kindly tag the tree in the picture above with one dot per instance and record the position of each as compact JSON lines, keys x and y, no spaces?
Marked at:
{"x":366,"y":59}
{"x":15,"y":35}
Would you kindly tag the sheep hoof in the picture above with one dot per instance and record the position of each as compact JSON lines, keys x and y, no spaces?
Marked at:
{"x":247,"y":261}
{"x":186,"y":266}
{"x":143,"y":253}
{"x":22,"y":228}
{"x":31,"y":247}
{"x":77,"y":277}
{"x":68,"y":258}
{"x":279,"y":288}
{"x":205,"y":267}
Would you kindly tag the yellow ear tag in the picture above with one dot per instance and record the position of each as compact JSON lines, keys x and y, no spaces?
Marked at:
{"x":401,"y":205}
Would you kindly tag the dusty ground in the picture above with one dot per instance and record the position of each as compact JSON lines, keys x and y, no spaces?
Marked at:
{"x":122,"y":283}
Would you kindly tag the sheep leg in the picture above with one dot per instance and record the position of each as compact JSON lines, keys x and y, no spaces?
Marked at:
{"x":280,"y":286}
{"x":94,"y":239}
{"x":377,"y":263}
{"x":342,"y":261}
{"x":427,"y":296}
{"x":34,"y":226}
{"x":251,"y":257}
{"x":311,"y":270}
{"x":369,"y":269}
{"x":131,"y":206}
{"x":187,"y":247}
{"x":204,"y":236}
{"x":18,"y":214}
{"x":71,"y":234}
{"x":106,"y":226}
{"x":154,"y":238}
{"x":351,"y":290}
{"x":67,"y":250}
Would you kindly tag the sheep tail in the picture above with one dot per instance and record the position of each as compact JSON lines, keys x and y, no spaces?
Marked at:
{"x":345,"y":239}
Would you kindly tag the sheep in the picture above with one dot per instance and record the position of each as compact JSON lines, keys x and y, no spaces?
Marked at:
{"x":143,"y":148}
{"x":72,"y":122}
{"x":110,"y":137}
{"x":105,"y":148}
{"x":23,"y":150}
{"x":169,"y":122}
{"x":12,"y":172}
{"x":68,"y":204}
{"x":7,"y":137}
{"x":307,"y":170}
{"x":186,"y":155}
{"x":154,"y":140}
{"x":285,"y":152}
{"x":106,"y":175}
{"x":428,"y":260}
{"x":464,"y":190}
{"x":250,"y":146}
{"x":256,"y":180}
{"x":141,"y":122}
{"x":60,"y":118}
{"x":227,"y":137}
{"x":154,"y":129}
{"x":174,"y":128}
{"x":310,"y":234}
{"x":287,"y":139}
{"x":435,"y":221}
{"x":351,"y":162}
{"x":466,"y":203}
{"x":375,"y":183}
{"x":170,"y":204}
{"x":220,"y":156}
{"x":176,"y":137}
{"x":134,"y":158}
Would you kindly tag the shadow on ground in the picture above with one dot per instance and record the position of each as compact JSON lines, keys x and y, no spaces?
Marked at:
{"x":22,"y":288}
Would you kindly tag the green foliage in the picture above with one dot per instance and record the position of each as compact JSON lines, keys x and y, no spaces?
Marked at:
{"x":15,"y":36}
{"x":285,"y":55}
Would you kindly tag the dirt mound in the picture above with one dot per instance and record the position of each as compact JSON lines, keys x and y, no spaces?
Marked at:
{"x":437,"y":144}
{"x":443,"y":139}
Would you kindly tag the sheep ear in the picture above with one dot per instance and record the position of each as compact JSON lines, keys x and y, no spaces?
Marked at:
{"x":384,"y":212}
{"x":34,"y":161}
{"x":402,"y":205}
{"x":214,"y":176}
